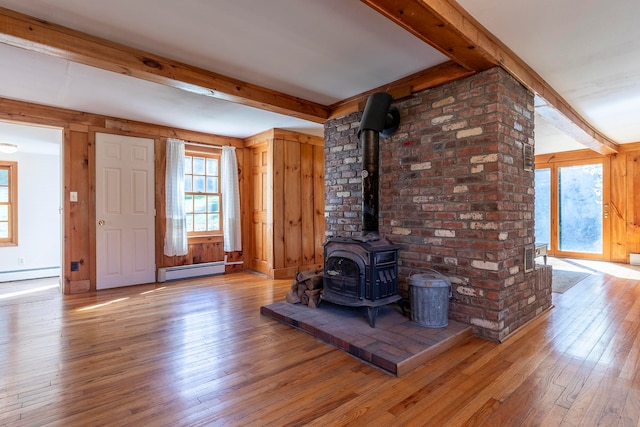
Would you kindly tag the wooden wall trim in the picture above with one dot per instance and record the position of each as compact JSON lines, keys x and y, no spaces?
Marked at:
{"x":27,"y":112}
{"x":258,"y":139}
{"x":626,"y":148}
{"x":566,"y":156}
{"x":271,"y":135}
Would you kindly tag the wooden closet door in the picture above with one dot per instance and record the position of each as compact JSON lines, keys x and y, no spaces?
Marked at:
{"x":259,"y":256}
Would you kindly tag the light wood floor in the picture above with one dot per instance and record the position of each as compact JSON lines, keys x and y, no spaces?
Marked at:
{"x":199,"y":353}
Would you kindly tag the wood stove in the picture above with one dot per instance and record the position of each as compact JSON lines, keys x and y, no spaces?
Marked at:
{"x":363,"y":271}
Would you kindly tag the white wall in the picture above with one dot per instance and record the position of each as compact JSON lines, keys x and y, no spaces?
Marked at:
{"x":39,"y":230}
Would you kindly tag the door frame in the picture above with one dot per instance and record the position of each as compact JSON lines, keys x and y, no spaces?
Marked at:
{"x":554,"y":166}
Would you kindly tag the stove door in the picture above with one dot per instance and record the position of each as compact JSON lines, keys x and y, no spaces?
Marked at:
{"x":343,"y":276}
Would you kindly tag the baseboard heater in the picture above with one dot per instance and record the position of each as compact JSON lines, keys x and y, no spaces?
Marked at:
{"x":189,"y":271}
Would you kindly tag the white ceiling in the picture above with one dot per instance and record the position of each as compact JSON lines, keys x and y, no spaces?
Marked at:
{"x":588,"y":50}
{"x":323,"y":51}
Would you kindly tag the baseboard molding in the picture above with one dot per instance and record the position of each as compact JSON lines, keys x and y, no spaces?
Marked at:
{"x":28,"y":274}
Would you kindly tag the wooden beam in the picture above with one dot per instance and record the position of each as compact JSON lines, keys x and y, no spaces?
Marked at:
{"x":439,"y":28}
{"x":43,"y":37}
{"x":26,"y":112}
{"x":560,"y":121}
{"x":434,"y":76}
{"x":445,"y":25}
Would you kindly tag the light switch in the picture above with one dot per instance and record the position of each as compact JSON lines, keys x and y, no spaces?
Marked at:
{"x":73,"y":196}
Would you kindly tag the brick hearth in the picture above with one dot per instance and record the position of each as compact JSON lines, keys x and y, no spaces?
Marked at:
{"x":396,"y":345}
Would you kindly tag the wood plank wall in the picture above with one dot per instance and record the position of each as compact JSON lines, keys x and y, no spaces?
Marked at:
{"x":624,"y":199}
{"x":625,"y":203}
{"x":79,"y":175}
{"x":288,"y":215}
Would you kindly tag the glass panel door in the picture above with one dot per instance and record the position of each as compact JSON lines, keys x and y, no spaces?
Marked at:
{"x":570,"y":208}
{"x":580,"y":198}
{"x":543,"y":206}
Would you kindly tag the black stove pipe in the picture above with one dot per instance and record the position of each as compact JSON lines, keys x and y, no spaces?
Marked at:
{"x":377,"y":118}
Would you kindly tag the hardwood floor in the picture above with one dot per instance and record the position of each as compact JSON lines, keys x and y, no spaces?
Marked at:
{"x":199,"y":353}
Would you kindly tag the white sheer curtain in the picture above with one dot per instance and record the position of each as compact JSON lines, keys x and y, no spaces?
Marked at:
{"x":230,"y":199}
{"x":175,"y":242}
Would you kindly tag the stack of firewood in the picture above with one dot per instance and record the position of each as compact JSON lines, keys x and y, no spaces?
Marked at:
{"x":306,"y":288}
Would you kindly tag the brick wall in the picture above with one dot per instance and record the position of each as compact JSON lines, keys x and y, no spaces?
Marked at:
{"x":454,"y":195}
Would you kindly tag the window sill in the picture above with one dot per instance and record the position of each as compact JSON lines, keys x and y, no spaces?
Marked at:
{"x":205,"y":239}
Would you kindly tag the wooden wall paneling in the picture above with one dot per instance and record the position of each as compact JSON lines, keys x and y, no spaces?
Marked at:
{"x":65,"y":269}
{"x":197,"y":253}
{"x":127,"y":126}
{"x":618,"y":207}
{"x":275,"y":202}
{"x":91,"y":156}
{"x":318,"y":203}
{"x":293,"y":205}
{"x":79,"y":227}
{"x":307,"y":206}
{"x":606,"y":197}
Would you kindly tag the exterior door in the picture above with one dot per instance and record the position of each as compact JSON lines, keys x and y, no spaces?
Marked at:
{"x":125,"y":214}
{"x":572,"y":211}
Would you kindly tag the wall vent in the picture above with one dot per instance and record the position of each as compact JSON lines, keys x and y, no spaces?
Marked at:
{"x":529,"y":159}
{"x":529,"y":258}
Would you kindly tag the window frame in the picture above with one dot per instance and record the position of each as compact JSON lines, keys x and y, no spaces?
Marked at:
{"x":214,"y":153}
{"x":12,"y":168}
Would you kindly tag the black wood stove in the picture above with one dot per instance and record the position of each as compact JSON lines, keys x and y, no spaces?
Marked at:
{"x":363,"y":271}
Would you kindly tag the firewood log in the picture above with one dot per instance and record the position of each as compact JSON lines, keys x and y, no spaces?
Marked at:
{"x":292,"y":297}
{"x":314,"y":297}
{"x":315,"y":282}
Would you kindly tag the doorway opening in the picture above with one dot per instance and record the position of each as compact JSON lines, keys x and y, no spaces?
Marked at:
{"x":36,"y":252}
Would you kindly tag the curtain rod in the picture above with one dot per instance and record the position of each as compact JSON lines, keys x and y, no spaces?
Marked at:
{"x":197,"y":144}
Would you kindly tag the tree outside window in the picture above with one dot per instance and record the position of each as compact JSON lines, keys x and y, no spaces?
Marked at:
{"x":8,"y":203}
{"x":202,"y":194}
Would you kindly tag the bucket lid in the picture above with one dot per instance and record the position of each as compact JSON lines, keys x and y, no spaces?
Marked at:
{"x":435,"y":280}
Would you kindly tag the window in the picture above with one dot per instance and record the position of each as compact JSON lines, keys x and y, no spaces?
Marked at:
{"x":8,"y":203}
{"x":202,"y":193}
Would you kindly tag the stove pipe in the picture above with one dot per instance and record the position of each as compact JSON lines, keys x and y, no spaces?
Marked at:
{"x":378,"y":119}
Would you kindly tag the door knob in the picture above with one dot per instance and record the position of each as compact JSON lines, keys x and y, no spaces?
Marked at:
{"x":102,"y":222}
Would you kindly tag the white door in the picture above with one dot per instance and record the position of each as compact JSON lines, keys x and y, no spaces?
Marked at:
{"x":125,"y":214}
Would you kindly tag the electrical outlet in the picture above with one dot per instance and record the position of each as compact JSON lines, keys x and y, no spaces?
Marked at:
{"x":73,"y":196}
{"x":75,"y":266}
{"x":20,"y":260}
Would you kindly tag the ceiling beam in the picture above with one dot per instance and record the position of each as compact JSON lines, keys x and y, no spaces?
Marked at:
{"x":40,"y":36}
{"x":445,"y":25}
